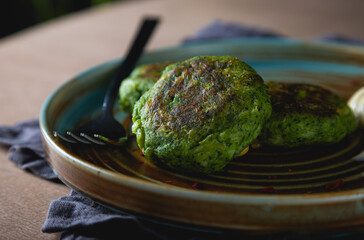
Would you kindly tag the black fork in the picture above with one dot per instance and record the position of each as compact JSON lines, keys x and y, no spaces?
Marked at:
{"x":105,"y":129}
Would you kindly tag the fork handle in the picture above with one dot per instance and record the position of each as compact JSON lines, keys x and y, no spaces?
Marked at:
{"x":129,"y":62}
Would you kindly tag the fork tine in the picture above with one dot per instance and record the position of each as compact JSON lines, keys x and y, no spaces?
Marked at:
{"x":70,"y":138}
{"x":91,"y":139}
{"x":64,"y":138}
{"x":78,"y":138}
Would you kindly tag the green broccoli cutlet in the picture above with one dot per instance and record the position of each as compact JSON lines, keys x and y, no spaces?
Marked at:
{"x":304,"y":114}
{"x":139,"y":81}
{"x":201,"y":114}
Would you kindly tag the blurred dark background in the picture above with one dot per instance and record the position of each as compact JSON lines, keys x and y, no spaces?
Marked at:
{"x":16,"y":15}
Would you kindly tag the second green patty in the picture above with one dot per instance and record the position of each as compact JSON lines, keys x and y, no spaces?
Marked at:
{"x":201,"y":114}
{"x":304,"y":114}
{"x":140,"y":80}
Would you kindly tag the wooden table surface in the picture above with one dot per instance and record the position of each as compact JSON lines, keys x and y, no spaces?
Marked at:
{"x":35,"y":61}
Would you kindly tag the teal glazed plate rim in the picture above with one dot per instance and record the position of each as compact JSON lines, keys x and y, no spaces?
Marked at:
{"x":312,"y":189}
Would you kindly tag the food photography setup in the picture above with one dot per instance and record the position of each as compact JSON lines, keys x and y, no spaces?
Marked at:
{"x":153,"y":119}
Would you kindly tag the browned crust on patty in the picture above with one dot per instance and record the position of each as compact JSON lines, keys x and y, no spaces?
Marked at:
{"x":205,"y":86}
{"x":302,"y":98}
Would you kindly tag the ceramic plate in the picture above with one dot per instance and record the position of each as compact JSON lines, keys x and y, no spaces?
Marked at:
{"x":311,"y":189}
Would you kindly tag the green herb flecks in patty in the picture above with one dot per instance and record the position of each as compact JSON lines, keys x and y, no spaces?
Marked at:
{"x":201,"y":114}
{"x":139,"y":81}
{"x":305,"y":114}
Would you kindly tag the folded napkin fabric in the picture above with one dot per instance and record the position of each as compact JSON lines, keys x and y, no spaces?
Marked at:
{"x":224,"y":30}
{"x":25,"y":148}
{"x":80,"y":218}
{"x":218,"y":29}
{"x":339,"y":38}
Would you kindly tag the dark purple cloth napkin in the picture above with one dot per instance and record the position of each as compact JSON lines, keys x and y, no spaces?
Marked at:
{"x":225,"y":30}
{"x":80,"y":218}
{"x":26,"y":149}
